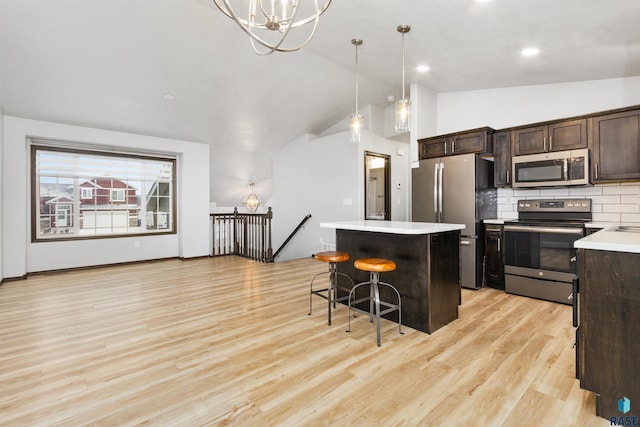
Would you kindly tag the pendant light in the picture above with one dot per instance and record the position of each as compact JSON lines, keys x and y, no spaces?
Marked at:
{"x":252,"y":202}
{"x":356,"y":120}
{"x":403,"y":106}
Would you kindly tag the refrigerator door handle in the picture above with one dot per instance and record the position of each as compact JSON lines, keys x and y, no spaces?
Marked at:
{"x":440,"y":191}
{"x":435,"y":190}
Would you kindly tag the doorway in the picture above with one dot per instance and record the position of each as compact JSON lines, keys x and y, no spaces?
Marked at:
{"x":377,"y":177}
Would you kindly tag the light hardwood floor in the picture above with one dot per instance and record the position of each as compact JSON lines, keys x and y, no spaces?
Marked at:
{"x":227,"y":341}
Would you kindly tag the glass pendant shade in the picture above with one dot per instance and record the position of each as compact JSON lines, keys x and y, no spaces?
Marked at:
{"x":403,"y":114}
{"x":268,"y":22}
{"x":355,"y":127}
{"x":252,"y":202}
{"x":403,"y":106}
{"x":356,"y":121}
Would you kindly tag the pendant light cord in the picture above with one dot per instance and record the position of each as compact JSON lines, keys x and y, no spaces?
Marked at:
{"x":403,"y":66}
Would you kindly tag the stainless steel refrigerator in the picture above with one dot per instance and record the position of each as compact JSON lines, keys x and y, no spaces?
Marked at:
{"x":457,"y":189}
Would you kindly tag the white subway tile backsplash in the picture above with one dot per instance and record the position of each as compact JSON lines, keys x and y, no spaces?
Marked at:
{"x":615,"y":199}
{"x":585,"y":191}
{"x":620,"y":208}
{"x":629,"y":198}
{"x":550,"y":193}
{"x":621,"y":189}
{"x":529,"y":193}
{"x":606,"y":217}
{"x":611,"y":202}
{"x":630,"y":218}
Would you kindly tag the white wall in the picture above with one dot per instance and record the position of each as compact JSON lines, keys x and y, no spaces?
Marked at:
{"x":21,"y":256}
{"x":514,"y":106}
{"x":1,"y":192}
{"x":324,"y":177}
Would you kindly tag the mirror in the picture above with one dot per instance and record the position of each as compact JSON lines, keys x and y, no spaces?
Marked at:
{"x":377,"y":186}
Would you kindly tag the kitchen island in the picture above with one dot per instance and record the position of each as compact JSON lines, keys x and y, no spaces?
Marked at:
{"x":607,"y":343}
{"x":427,"y":257}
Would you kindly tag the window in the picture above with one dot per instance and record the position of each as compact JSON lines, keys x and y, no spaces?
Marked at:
{"x":117,"y":195}
{"x":84,"y":193}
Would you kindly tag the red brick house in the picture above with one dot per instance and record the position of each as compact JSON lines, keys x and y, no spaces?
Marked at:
{"x":108,"y":202}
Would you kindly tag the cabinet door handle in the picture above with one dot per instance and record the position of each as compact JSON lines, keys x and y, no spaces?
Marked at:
{"x":498,"y":244}
{"x":445,"y":147}
{"x":596,"y":171}
{"x":550,"y":143}
{"x":508,"y":177}
{"x":453,"y":146}
{"x":544,"y":143}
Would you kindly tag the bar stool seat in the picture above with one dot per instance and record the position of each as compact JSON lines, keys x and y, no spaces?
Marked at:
{"x":330,"y":293}
{"x":375,"y":266}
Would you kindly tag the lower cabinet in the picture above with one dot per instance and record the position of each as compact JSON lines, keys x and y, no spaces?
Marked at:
{"x":608,"y":341}
{"x":494,"y":256}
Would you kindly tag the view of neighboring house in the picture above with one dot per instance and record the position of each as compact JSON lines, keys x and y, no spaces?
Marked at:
{"x":108,"y":202}
{"x":158,"y":206}
{"x":56,"y":212}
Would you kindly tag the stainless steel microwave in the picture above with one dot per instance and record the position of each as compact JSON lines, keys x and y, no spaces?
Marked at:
{"x":558,"y":168}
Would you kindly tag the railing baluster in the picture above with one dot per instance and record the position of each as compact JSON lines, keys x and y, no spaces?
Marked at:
{"x":247,"y":235}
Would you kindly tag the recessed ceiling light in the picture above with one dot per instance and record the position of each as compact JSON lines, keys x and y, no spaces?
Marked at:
{"x":422,"y":68}
{"x":483,"y":1}
{"x":530,"y":51}
{"x":168,"y":97}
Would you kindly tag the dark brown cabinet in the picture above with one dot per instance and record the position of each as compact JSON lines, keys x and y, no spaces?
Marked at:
{"x":471,"y":141}
{"x":494,"y":256}
{"x":615,"y":142}
{"x":502,"y":158}
{"x":558,"y":136}
{"x":607,"y":339}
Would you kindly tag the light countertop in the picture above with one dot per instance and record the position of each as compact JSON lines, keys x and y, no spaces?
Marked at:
{"x":610,"y":239}
{"x":393,"y":227}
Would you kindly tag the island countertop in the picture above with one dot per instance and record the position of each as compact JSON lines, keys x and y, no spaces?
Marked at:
{"x":393,"y":227}
{"x":616,"y":238}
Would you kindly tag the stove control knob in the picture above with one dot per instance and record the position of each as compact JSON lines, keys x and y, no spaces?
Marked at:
{"x":570,"y":204}
{"x":540,"y":273}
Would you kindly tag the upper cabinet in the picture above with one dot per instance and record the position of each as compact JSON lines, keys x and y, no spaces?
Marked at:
{"x":615,"y":142}
{"x":472,"y":141}
{"x":502,"y":158}
{"x":558,"y":136}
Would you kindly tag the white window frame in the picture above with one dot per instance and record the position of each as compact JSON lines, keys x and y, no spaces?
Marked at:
{"x":119,"y":195}
{"x":86,"y":193}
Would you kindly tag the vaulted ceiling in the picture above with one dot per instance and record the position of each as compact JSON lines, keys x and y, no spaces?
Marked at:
{"x":109,"y":64}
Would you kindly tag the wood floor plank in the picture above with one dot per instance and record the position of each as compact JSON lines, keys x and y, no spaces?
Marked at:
{"x":227,"y":341}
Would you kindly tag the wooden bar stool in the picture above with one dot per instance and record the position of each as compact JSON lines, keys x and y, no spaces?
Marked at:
{"x":333,"y":258}
{"x":375,"y":266}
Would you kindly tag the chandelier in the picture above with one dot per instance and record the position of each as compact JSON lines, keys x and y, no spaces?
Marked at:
{"x":268,"y":22}
{"x":252,"y":201}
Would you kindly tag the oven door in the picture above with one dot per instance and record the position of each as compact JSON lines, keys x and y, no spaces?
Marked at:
{"x":539,"y":251}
